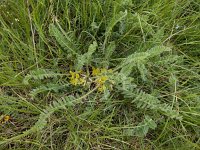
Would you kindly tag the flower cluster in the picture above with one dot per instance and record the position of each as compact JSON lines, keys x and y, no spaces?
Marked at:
{"x":5,"y":119}
{"x":76,"y":79}
{"x":101,"y":83}
{"x":100,"y":71}
{"x":99,"y":76}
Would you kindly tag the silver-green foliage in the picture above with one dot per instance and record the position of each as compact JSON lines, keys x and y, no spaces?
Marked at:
{"x":142,"y":128}
{"x":40,"y":74}
{"x":86,"y":58}
{"x":148,"y":101}
{"x":55,"y":87}
{"x":142,"y":99}
{"x":63,"y":38}
{"x":140,"y":59}
{"x":115,"y":19}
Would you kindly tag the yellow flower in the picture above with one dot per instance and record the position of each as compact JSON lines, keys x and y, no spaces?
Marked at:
{"x":100,"y":75}
{"x":77,"y":76}
{"x":100,"y":71}
{"x":72,"y":74}
{"x":6,"y":118}
{"x":102,"y":79}
{"x":101,"y":83}
{"x":75,"y":79}
{"x":95,"y":71}
{"x":82,"y":81}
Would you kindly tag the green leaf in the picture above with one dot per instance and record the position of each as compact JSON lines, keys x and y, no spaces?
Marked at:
{"x":62,"y":38}
{"x":143,"y":71}
{"x":142,"y":128}
{"x":144,"y":100}
{"x":115,"y":19}
{"x":47,"y":87}
{"x":118,"y":17}
{"x":86,"y":58}
{"x":109,"y":50}
{"x":40,"y":74}
{"x":140,"y":59}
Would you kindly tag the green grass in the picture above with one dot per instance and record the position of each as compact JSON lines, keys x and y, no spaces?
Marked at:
{"x":151,"y":99}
